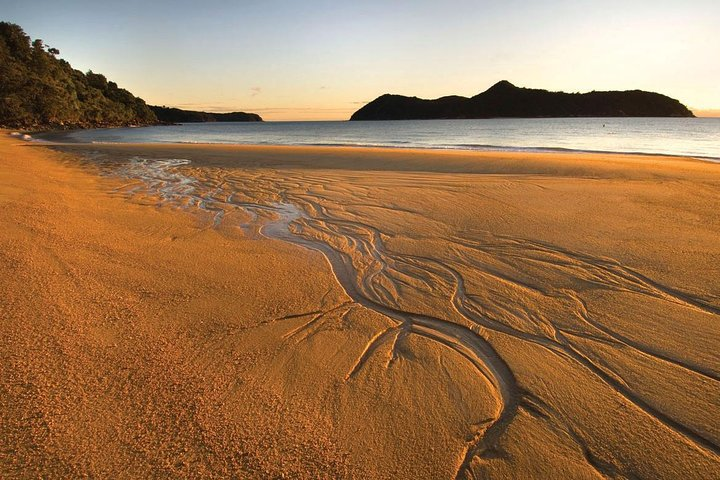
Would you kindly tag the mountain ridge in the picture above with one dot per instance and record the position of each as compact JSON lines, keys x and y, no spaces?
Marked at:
{"x":178,"y":115}
{"x":505,"y":100}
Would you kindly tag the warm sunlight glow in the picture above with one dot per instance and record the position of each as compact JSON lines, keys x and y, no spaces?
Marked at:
{"x":334,"y":239}
{"x":322,"y":60}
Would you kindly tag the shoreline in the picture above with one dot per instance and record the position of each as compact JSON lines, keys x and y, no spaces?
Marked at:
{"x":560,"y":164}
{"x":469,"y":145}
{"x":480,"y":149}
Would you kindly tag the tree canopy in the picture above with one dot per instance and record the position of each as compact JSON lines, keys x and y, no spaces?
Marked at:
{"x":38,"y":90}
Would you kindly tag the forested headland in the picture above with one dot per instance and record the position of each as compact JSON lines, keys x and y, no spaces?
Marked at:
{"x":40,"y":91}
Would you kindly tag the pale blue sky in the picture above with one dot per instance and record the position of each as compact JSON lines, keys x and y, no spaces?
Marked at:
{"x":324,"y":59}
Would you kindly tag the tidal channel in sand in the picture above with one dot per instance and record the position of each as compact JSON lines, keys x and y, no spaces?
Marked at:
{"x":476,"y":314}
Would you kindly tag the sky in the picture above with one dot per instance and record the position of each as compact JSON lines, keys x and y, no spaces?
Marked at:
{"x":322,"y":60}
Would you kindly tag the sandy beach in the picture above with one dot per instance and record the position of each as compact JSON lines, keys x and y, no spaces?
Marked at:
{"x":215,"y":311}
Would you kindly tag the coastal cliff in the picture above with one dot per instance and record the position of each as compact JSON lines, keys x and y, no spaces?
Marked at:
{"x":506,"y":100}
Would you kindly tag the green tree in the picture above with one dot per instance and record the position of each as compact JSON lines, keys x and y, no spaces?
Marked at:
{"x":38,"y":90}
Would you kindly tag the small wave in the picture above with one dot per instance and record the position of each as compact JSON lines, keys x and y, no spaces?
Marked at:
{"x":497,"y":148}
{"x":504,"y":148}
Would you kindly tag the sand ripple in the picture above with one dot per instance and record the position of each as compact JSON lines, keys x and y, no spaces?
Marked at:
{"x":467,"y":293}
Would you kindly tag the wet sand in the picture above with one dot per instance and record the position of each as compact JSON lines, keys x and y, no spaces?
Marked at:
{"x":197,"y":310}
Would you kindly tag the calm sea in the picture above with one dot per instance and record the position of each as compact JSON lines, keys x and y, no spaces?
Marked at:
{"x":697,"y":137}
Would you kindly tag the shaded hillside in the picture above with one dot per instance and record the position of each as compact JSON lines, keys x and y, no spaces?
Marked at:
{"x":39,"y":90}
{"x":176,"y":115}
{"x":506,"y":100}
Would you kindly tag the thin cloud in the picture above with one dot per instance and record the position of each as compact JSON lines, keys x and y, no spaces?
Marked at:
{"x":208,"y":107}
{"x":205,"y":107}
{"x":706,"y":112}
{"x":255,"y":91}
{"x":298,"y":109}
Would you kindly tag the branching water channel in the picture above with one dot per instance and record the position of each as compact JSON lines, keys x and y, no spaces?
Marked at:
{"x":375,"y":277}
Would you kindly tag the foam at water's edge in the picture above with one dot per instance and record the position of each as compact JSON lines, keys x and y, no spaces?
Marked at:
{"x":27,"y":137}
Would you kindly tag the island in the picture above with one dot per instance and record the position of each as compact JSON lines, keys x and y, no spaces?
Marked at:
{"x":505,"y":100}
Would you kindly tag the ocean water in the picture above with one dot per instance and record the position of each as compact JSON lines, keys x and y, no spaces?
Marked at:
{"x":696,"y":137}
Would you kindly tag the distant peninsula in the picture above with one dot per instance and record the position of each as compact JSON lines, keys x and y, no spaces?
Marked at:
{"x":176,"y":115}
{"x":39,"y":91}
{"x":505,"y":100}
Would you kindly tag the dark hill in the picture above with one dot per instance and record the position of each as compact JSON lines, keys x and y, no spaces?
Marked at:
{"x":176,"y":115}
{"x":506,"y":100}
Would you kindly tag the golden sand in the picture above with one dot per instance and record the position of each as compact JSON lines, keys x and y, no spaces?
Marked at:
{"x":215,"y":311}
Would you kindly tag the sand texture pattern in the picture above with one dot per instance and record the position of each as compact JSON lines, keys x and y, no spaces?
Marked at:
{"x":298,"y":312}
